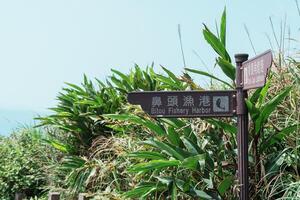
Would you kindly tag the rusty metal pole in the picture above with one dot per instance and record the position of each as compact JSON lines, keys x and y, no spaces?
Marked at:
{"x":242,"y":125}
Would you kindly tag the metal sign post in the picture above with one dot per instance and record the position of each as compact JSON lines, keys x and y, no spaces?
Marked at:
{"x":242,"y":127}
{"x":250,"y":74}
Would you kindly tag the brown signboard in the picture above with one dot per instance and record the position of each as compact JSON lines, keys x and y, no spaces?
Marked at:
{"x":186,"y":103}
{"x":255,"y":70}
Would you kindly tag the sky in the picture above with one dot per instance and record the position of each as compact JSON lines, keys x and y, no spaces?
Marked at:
{"x":44,"y":44}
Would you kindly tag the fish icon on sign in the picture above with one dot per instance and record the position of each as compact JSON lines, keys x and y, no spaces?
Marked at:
{"x":220,"y":104}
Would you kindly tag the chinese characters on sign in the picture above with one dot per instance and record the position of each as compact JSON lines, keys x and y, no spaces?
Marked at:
{"x":255,"y":70}
{"x":185,"y":103}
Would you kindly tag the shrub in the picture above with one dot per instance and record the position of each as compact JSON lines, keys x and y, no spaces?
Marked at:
{"x":23,"y":158}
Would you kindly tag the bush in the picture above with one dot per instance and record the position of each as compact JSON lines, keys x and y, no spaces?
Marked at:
{"x":23,"y":157}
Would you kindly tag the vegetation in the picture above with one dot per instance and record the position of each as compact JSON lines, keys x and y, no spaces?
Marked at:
{"x":99,"y":144}
{"x":24,"y":159}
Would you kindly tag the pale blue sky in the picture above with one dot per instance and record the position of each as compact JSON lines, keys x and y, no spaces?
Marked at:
{"x":46,"y":43}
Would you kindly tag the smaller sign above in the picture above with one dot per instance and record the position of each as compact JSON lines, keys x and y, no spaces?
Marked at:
{"x":186,"y":103}
{"x":256,"y":69}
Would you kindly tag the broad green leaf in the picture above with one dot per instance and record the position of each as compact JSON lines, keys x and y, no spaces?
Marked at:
{"x":223,"y":125}
{"x":125,"y":79}
{"x":255,"y":96}
{"x":202,"y":194}
{"x":174,"y":192}
{"x":273,"y":165}
{"x":269,"y":107}
{"x":209,"y":162}
{"x":278,"y":137}
{"x":79,"y":89}
{"x":194,"y":162}
{"x":137,"y":120}
{"x":86,"y":102}
{"x":142,"y":190}
{"x":171,"y":75}
{"x":179,"y":124}
{"x":165,"y":180}
{"x":147,"y":155}
{"x":150,"y":81}
{"x":72,"y":162}
{"x":263,"y":93}
{"x":223,"y":28}
{"x":58,"y":145}
{"x":227,"y":68}
{"x":154,"y":165}
{"x":283,"y":133}
{"x":117,"y":82}
{"x":101,"y":84}
{"x":169,"y":149}
{"x":208,"y":75}
{"x":191,"y":146}
{"x":225,"y":185}
{"x":123,"y":76}
{"x":216,"y":44}
{"x":174,"y":137}
{"x":254,"y":112}
{"x":184,"y":186}
{"x":165,"y":80}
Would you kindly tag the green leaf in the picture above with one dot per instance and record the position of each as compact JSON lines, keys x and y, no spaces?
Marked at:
{"x":263,"y":93}
{"x":216,"y":44}
{"x":117,"y":82}
{"x":191,"y":146}
{"x":273,"y":165}
{"x":225,"y":185}
{"x":184,"y":186}
{"x":168,"y":149}
{"x":283,"y":133}
{"x":126,"y":80}
{"x":137,"y":120}
{"x":166,"y":180}
{"x":179,"y":124}
{"x":208,"y":75}
{"x":254,"y":112}
{"x":173,"y":137}
{"x":223,"y":125}
{"x":147,"y":155}
{"x":223,"y":28}
{"x":123,"y":76}
{"x":269,"y":107}
{"x":278,"y":137}
{"x":174,"y":192}
{"x":168,"y":81}
{"x":202,"y":194}
{"x":172,"y":76}
{"x":78,"y":88}
{"x":59,"y":146}
{"x":194,"y":162}
{"x":154,"y":165}
{"x":227,"y":68}
{"x":143,"y":190}
{"x":254,"y":97}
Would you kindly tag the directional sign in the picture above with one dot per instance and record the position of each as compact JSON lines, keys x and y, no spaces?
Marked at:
{"x":255,"y":70}
{"x":186,"y":103}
